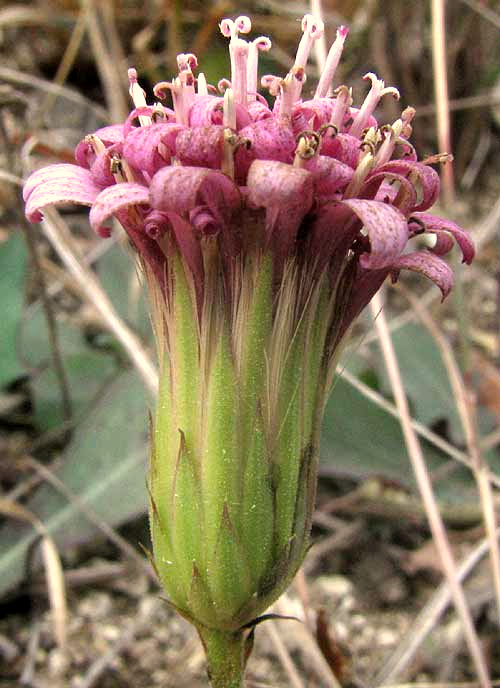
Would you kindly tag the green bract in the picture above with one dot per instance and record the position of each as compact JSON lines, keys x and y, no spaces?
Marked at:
{"x":235,"y":448}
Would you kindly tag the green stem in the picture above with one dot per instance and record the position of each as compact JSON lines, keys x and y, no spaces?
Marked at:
{"x":226,"y":657}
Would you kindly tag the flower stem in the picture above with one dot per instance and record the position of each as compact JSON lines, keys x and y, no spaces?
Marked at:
{"x":226,"y":657}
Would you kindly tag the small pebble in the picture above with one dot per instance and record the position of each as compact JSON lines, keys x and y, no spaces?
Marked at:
{"x":95,"y":606}
{"x":334,"y":587}
{"x":386,"y":637}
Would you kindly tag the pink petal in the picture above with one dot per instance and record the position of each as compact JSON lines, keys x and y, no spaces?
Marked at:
{"x":422,"y":176}
{"x":56,"y":184}
{"x":428,"y":264}
{"x":379,"y":187}
{"x":444,"y":244}
{"x":100,"y":168}
{"x":201,"y":146}
{"x":286,"y":193}
{"x":207,"y":110}
{"x":331,"y":234}
{"x":145,"y":148}
{"x":146,"y":111}
{"x":387,"y":231}
{"x":330,"y":175}
{"x":115,"y":200}
{"x":439,"y":225}
{"x":258,"y":110}
{"x":316,"y":112}
{"x":365,"y":285}
{"x":269,"y":139}
{"x":181,"y":189}
{"x":84,"y":153}
{"x":343,"y":147}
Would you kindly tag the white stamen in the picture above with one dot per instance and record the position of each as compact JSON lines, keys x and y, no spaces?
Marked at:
{"x":238,"y":53}
{"x":364,"y":167}
{"x":202,"y":85}
{"x":229,"y":116}
{"x":138,"y":96}
{"x":332,"y":61}
{"x":291,"y":86}
{"x":261,"y":43}
{"x":341,"y":103}
{"x":377,"y":90}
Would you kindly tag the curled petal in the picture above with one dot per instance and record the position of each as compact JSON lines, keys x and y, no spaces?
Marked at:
{"x":201,"y":146}
{"x":440,"y":226}
{"x":181,"y":189}
{"x":425,"y":178}
{"x":330,"y":175}
{"x":387,"y":232}
{"x":56,"y":184}
{"x":287,"y":194}
{"x":100,"y":169}
{"x":316,"y":112}
{"x":382,"y":187}
{"x":149,"y":148}
{"x":268,"y":139}
{"x":84,"y":153}
{"x":428,"y":264}
{"x":156,"y":224}
{"x":114,"y":201}
{"x":343,"y":147}
{"x":443,"y":244}
{"x":147,"y":111}
{"x":203,"y":221}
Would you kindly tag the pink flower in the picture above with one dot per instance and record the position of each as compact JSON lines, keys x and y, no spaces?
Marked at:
{"x":320,"y":179}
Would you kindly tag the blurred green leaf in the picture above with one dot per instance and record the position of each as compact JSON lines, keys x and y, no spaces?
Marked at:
{"x":86,"y":369}
{"x":361,"y":440}
{"x":86,"y":374}
{"x":425,"y":379}
{"x":117,"y":272}
{"x":104,"y":464}
{"x":13,"y":258}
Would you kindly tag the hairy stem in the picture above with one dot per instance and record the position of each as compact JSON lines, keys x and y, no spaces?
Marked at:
{"x":226,"y":657}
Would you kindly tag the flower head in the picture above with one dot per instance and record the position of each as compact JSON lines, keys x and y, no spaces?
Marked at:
{"x":264,"y":231}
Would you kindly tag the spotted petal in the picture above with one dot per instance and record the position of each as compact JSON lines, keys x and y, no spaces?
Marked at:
{"x":149,"y":148}
{"x":286,"y":193}
{"x":330,"y":175}
{"x":110,"y":135}
{"x":181,"y":189}
{"x":424,"y":177}
{"x":58,"y":184}
{"x":113,"y":201}
{"x":387,"y":231}
{"x":442,"y":227}
{"x":429,"y":265}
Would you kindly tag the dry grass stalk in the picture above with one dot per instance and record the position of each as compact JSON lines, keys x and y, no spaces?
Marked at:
{"x":108,"y":65}
{"x":53,"y":568}
{"x":307,"y":642}
{"x":93,"y":518}
{"x":425,"y":487}
{"x":466,"y":409}
{"x":58,"y":234}
{"x":441,"y":94}
{"x":283,"y":655}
